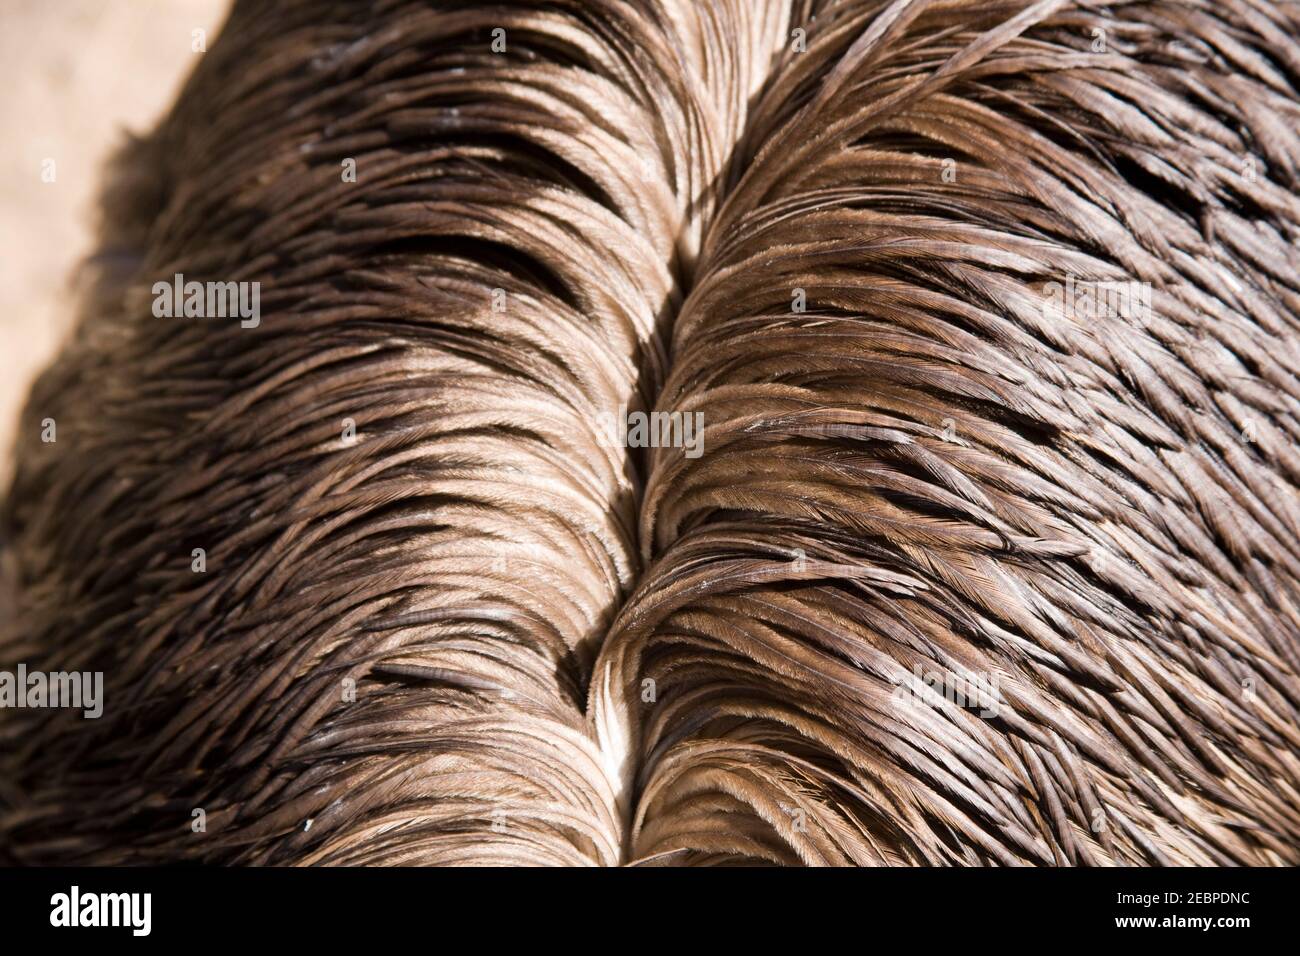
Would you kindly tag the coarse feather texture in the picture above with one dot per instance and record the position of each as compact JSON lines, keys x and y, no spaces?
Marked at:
{"x":474,"y":634}
{"x":492,"y":279}
{"x":929,"y":471}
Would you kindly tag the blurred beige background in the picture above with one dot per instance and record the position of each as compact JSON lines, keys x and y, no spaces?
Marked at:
{"x":80,"y":72}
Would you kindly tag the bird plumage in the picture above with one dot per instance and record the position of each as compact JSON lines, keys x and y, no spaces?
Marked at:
{"x":841,"y":231}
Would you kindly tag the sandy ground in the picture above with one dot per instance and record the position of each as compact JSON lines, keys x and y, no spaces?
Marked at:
{"x":81,"y":72}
